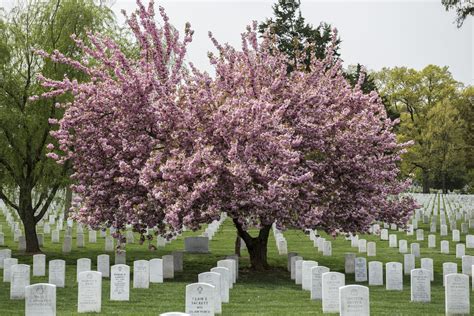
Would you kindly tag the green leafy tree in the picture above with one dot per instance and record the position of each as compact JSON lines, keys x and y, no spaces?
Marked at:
{"x":31,"y":179}
{"x":463,"y":9}
{"x":444,"y":137}
{"x":416,"y":97}
{"x":465,"y":106}
{"x":296,"y":38}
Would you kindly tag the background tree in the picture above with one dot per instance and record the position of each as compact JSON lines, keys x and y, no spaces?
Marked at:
{"x":24,"y":125}
{"x":414,"y":95}
{"x":444,"y":136}
{"x":301,"y":41}
{"x":463,"y":9}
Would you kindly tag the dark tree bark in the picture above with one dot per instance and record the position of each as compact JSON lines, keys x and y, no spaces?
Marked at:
{"x":256,"y":246}
{"x":67,"y":203}
{"x":238,"y":241}
{"x":426,"y":182}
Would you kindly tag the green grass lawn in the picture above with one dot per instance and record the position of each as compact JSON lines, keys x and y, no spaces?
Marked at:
{"x":269,"y":293}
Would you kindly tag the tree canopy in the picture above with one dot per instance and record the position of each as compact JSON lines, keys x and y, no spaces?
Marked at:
{"x":157,"y":146}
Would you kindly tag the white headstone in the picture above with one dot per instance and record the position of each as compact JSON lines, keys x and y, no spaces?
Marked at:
{"x":298,"y":271}
{"x":57,"y":272}
{"x":431,"y":241}
{"x":200,"y":299}
{"x":214,"y":279}
{"x":120,"y":283}
{"x":354,"y":300}
{"x":39,"y":265}
{"x":141,"y":274}
{"x":415,"y":249}
{"x":402,"y":246}
{"x":156,"y":270}
{"x":408,"y":263}
{"x":394,"y":276}
{"x":229,"y":264}
{"x":306,"y":274}
{"x":375,"y":273}
{"x":420,"y":285}
{"x":445,"y":246}
{"x":467,"y":262}
{"x":40,"y":300}
{"x":293,"y":267}
{"x":168,"y":267}
{"x":457,"y":294}
{"x":109,"y":244}
{"x":349,"y":262}
{"x":20,"y":278}
{"x":360,"y":269}
{"x":371,"y":249}
{"x":7,"y":265}
{"x":392,"y":240}
{"x":448,"y":268}
{"x":316,"y":281}
{"x":225,"y":275}
{"x":460,"y":250}
{"x":331,"y":281}
{"x":103,"y":265}
{"x":89,"y":298}
{"x":427,"y":264}
{"x":4,"y":254}
{"x":83,"y":264}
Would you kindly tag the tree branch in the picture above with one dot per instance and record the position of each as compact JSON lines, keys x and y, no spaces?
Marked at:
{"x":7,"y":200}
{"x":47,"y":203}
{"x":242,"y":233}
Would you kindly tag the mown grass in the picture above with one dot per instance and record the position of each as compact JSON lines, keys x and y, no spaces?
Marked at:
{"x":256,"y":293}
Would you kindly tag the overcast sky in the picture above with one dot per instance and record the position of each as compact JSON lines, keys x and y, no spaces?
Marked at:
{"x":374,"y":33}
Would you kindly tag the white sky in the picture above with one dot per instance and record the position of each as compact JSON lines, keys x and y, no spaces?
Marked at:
{"x":374,"y":33}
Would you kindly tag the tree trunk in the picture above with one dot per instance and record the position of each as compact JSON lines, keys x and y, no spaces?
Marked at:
{"x":27,"y":216}
{"x":237,"y":245}
{"x":426,"y":182}
{"x":256,"y":246}
{"x":443,"y":179}
{"x":67,"y":203}
{"x":32,"y":244}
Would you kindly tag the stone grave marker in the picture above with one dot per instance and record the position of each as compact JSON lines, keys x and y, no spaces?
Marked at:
{"x":375,"y":273}
{"x":120,"y":283}
{"x":20,"y":278}
{"x":89,"y":298}
{"x":40,"y":300}
{"x":331,"y":281}
{"x":39,"y":265}
{"x":200,"y":299}
{"x":83,"y":264}
{"x":168,"y":266}
{"x":141,"y":274}
{"x":354,"y":300}
{"x":394,"y":276}
{"x":156,"y":270}
{"x":7,"y":265}
{"x":306,"y":278}
{"x":420,"y":285}
{"x":214,"y":279}
{"x":457,"y":294}
{"x":225,"y":275}
{"x":316,"y":281}
{"x":103,"y":265}
{"x":57,"y":272}
{"x":360,"y":269}
{"x":196,"y":244}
